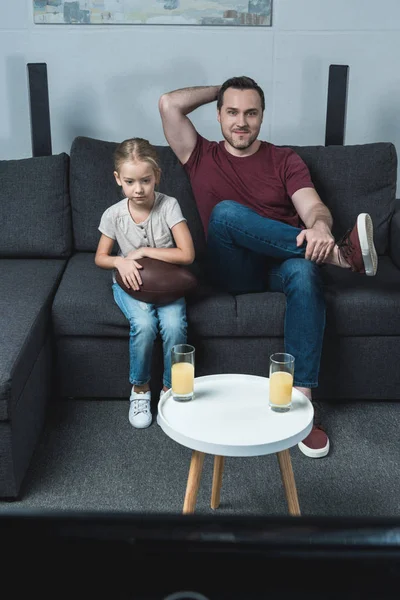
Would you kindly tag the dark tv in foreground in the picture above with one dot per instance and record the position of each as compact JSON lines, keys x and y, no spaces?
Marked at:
{"x":159,"y":557}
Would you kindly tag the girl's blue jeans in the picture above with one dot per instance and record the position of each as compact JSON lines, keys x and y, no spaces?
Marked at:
{"x":145,"y":322}
{"x":251,"y":253}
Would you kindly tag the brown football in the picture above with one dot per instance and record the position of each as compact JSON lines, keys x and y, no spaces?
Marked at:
{"x":162,"y":282}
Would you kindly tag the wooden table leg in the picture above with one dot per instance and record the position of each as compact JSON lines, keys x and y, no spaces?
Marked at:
{"x":217,"y":481}
{"x":193,"y":482}
{"x":285,"y":465}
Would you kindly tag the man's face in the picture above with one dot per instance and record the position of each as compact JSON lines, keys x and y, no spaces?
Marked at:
{"x":240,"y":117}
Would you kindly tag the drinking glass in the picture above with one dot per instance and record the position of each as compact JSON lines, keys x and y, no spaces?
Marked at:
{"x":281,"y":373}
{"x":182,"y":372}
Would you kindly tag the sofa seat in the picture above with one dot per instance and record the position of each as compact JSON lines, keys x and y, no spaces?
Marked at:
{"x":84,"y":304}
{"x":363,"y":306}
{"x":28,"y":288}
{"x":356,"y":305}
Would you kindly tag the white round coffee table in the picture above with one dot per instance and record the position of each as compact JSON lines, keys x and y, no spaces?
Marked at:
{"x":230,"y":416}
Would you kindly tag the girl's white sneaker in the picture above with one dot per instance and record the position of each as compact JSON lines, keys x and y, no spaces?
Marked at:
{"x":139,"y":409}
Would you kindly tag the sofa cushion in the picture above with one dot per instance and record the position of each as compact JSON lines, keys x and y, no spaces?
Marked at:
{"x":84,"y":305}
{"x":27,"y":291}
{"x":35,"y":211}
{"x":356,"y":305}
{"x":93,"y":189}
{"x":355,"y":179}
{"x":363,"y":306}
{"x":349,"y":179}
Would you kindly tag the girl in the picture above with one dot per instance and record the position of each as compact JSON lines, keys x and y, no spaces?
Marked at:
{"x":144,"y":223}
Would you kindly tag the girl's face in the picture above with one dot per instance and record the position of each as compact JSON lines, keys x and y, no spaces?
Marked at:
{"x":137,"y":180}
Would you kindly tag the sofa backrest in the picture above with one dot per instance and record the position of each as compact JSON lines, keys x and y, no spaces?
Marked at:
{"x":93,"y":189}
{"x":355,"y":179}
{"x":35,"y":210}
{"x":349,"y":179}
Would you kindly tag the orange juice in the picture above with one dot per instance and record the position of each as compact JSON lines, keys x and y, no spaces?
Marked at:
{"x":182,"y":375}
{"x":280,"y":388}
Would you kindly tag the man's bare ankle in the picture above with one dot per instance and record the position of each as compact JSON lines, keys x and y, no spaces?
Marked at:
{"x":335,"y":258}
{"x":304,"y":390}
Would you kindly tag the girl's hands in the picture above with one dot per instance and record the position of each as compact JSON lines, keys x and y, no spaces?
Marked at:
{"x":136,"y":254}
{"x":129,"y":271}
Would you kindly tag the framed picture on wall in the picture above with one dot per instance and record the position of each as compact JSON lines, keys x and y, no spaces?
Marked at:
{"x":253,"y":13}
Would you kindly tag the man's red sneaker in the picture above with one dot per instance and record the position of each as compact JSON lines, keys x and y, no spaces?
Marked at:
{"x":316,"y":444}
{"x":357,"y":248}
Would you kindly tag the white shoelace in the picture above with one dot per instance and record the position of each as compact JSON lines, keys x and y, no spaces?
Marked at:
{"x":140,"y":406}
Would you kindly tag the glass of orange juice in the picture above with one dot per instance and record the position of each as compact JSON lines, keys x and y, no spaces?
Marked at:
{"x":281,"y":373}
{"x":182,"y":372}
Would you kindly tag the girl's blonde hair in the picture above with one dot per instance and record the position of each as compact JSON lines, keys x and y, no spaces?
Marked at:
{"x":136,"y":149}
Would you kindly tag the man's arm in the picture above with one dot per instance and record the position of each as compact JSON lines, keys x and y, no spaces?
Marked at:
{"x":311,"y":209}
{"x":174,"y":108}
{"x":318,"y":220}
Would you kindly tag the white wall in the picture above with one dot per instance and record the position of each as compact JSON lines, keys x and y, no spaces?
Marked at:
{"x":105,"y":81}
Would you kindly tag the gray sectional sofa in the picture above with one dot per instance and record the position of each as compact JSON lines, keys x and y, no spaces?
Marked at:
{"x":63,"y":336}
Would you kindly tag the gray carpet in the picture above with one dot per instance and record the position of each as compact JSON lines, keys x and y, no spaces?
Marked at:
{"x":90,"y":458}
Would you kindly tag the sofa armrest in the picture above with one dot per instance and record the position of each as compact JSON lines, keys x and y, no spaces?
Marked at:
{"x":394,"y":240}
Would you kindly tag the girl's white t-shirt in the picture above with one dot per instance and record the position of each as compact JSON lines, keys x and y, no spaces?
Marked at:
{"x":117,"y":224}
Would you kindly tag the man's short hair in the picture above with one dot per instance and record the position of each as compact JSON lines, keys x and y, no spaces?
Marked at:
{"x":239,"y":83}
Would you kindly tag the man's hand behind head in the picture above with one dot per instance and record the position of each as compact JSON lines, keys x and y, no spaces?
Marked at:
{"x":174,"y":108}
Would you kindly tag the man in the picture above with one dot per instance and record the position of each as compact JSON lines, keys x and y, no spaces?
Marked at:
{"x":266,"y":226}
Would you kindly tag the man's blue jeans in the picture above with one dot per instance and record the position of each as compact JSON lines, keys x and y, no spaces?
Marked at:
{"x":251,"y":253}
{"x":145,"y":321}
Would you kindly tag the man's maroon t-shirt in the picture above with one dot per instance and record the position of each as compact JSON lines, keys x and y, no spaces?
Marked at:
{"x":264,"y":181}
